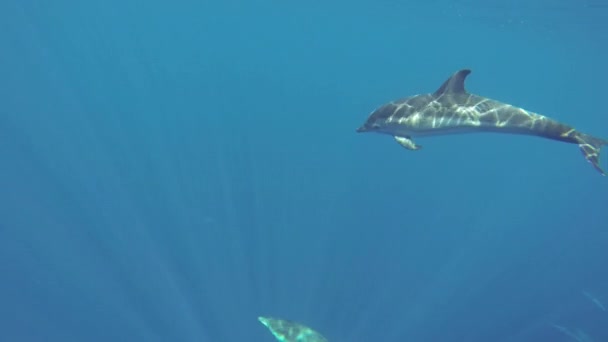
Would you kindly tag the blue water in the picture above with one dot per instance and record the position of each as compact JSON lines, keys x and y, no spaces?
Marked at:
{"x":171,"y":171}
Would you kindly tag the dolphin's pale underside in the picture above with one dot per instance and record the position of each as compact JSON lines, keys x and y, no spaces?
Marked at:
{"x":451,"y":109}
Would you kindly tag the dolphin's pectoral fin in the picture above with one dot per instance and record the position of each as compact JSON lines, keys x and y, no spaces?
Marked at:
{"x":287,"y":331}
{"x":408,"y":143}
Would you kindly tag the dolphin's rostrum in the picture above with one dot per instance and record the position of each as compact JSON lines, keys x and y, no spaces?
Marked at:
{"x":451,"y":109}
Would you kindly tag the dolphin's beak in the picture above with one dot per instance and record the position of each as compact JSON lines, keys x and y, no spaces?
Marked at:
{"x":361,"y":129}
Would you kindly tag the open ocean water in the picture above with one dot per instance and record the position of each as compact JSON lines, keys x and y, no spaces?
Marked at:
{"x":170,"y":171}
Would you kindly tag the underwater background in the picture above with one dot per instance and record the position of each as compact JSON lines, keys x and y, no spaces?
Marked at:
{"x":170,"y":171}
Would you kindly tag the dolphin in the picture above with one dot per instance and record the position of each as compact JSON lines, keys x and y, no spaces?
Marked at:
{"x":289,"y":331}
{"x":451,"y":110}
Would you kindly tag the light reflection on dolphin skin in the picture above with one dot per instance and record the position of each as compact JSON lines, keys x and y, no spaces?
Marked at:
{"x":289,"y":331}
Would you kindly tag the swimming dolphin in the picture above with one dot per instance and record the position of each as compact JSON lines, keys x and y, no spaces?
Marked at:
{"x":451,"y":109}
{"x":288,"y":331}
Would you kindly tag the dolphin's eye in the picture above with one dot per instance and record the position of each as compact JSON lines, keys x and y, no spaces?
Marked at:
{"x":375,"y":125}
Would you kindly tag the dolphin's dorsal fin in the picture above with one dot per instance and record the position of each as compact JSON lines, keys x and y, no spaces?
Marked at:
{"x":454,"y":84}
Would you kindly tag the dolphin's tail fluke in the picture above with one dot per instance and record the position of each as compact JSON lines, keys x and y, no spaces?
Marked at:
{"x":591,"y":148}
{"x":287,"y":331}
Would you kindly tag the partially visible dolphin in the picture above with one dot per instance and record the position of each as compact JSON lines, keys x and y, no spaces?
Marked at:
{"x":288,"y":331}
{"x":451,"y":109}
